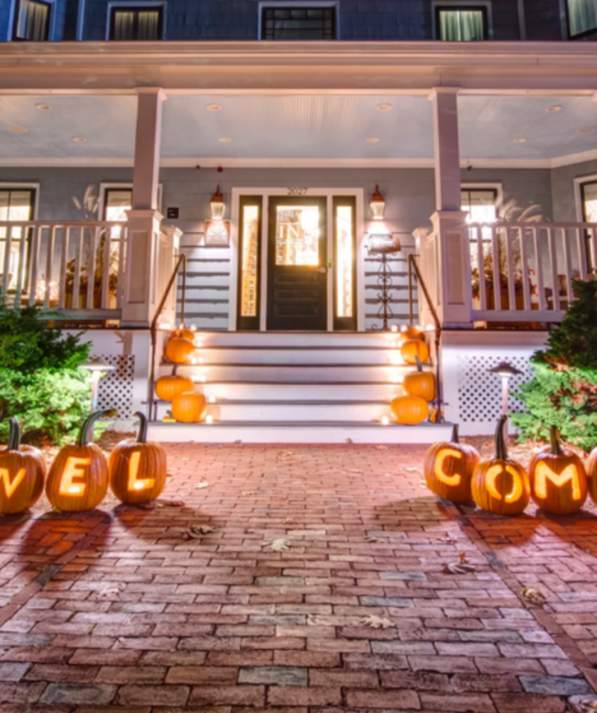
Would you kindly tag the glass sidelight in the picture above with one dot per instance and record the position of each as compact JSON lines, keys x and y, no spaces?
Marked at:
{"x":344,"y":221}
{"x":249,"y":273}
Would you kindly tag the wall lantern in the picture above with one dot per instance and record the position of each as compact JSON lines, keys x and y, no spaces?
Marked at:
{"x":216,"y":228}
{"x":217,"y":206}
{"x":377,"y":204}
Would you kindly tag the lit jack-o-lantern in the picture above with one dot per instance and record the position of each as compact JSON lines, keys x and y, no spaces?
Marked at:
{"x":592,"y":474}
{"x":137,"y":468}
{"x":413,"y":349}
{"x":22,"y":473}
{"x":500,"y":485}
{"x":420,"y":383}
{"x":558,"y":478}
{"x":78,"y":478}
{"x":449,"y":467}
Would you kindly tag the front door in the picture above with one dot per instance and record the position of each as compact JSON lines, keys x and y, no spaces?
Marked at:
{"x":297,"y":264}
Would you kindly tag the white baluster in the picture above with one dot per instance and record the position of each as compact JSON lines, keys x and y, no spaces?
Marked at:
{"x":582,"y":245}
{"x":49,"y":266}
{"x":510,"y":268}
{"x":6,"y":269}
{"x":22,"y":264}
{"x":539,"y":270}
{"x":64,"y":265}
{"x":568,"y":264}
{"x":553,"y":267}
{"x":481,"y":265}
{"x":91,"y":268}
{"x":105,"y":296}
{"x":34,"y":263}
{"x":524,"y":270}
{"x":495,"y":270}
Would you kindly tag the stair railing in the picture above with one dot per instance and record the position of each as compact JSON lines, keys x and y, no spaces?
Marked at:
{"x":414,"y":274}
{"x":153,"y":330}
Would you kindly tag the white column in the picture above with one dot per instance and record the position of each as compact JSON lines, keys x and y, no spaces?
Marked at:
{"x":450,"y":236}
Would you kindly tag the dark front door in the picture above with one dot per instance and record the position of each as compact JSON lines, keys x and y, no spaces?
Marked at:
{"x":297,"y":264}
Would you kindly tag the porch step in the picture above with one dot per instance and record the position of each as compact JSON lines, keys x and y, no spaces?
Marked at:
{"x":296,"y":339}
{"x":297,"y":432}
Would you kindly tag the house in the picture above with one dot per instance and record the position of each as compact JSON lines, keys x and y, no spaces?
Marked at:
{"x":261,"y":170}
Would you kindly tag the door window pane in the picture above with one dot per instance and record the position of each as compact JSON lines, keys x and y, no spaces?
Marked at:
{"x":250,"y":224}
{"x":582,"y":16}
{"x":298,"y":23}
{"x":298,"y":229}
{"x":136,"y":23}
{"x":33,"y":21}
{"x":461,"y":25}
{"x":344,"y":225}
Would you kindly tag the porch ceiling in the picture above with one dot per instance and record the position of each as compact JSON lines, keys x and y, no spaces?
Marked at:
{"x":301,"y":128}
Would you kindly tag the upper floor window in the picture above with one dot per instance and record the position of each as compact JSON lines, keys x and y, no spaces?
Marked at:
{"x":136,"y":23}
{"x":461,"y":24}
{"x":582,"y":17}
{"x":285,"y":22}
{"x":32,"y":21}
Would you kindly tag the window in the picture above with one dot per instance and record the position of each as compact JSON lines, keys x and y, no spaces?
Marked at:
{"x":588,"y":192}
{"x":298,"y":23}
{"x":32,"y":21}
{"x":461,"y":24}
{"x":117,"y":201}
{"x":582,"y":17}
{"x":16,"y":204}
{"x":480,"y":204}
{"x":136,"y":23}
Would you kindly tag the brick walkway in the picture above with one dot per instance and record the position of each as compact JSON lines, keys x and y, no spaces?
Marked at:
{"x":116,"y":610}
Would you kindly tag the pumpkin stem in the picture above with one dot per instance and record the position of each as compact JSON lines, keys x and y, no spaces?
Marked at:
{"x":455,"y":433}
{"x":142,"y":434}
{"x":14,"y":435}
{"x":86,"y":431}
{"x":554,"y":438}
{"x":501,"y":450}
{"x":418,"y":363}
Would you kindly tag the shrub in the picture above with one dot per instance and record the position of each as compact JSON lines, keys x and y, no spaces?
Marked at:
{"x":563,"y":390}
{"x":40,"y":382}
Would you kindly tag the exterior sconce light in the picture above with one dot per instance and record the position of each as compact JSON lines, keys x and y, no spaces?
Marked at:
{"x":216,"y":228}
{"x":377,"y":204}
{"x":217,"y":206}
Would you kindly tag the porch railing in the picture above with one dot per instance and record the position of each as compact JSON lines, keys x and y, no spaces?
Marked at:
{"x":72,"y":268}
{"x":524,"y":271}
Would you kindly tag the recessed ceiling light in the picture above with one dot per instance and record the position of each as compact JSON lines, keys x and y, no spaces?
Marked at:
{"x":15,"y":129}
{"x":79,"y":140}
{"x":224,"y":140}
{"x":42,"y":107}
{"x":214,"y":107}
{"x":584,"y":130}
{"x":554,"y":108}
{"x":372,"y":140}
{"x":519,"y":140}
{"x":384,"y":106}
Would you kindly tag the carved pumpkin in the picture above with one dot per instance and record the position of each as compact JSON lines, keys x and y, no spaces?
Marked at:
{"x":411,"y":331}
{"x":558,"y":478}
{"x":189,"y":407}
{"x":78,"y":477}
{"x":137,"y":468}
{"x":420,"y":383}
{"x":591,"y":469}
{"x":22,"y":473}
{"x":449,"y":468}
{"x":409,"y":410}
{"x":179,"y":351}
{"x":500,"y":485}
{"x":414,"y":349}
{"x":167,"y":387}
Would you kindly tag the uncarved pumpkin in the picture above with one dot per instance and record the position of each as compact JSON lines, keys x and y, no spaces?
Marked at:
{"x":412,"y":331}
{"x":500,"y":485}
{"x":591,"y":469}
{"x":409,"y":410}
{"x":167,"y":387}
{"x":449,"y":468}
{"x":22,"y":473}
{"x":78,"y":477}
{"x":179,"y":351}
{"x":137,"y":468}
{"x":184,"y":333}
{"x":189,"y":407}
{"x":558,"y":478}
{"x":414,"y":349}
{"x":420,"y":383}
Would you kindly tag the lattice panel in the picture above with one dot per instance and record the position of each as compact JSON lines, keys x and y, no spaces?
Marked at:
{"x":116,"y":389}
{"x":480,"y":393}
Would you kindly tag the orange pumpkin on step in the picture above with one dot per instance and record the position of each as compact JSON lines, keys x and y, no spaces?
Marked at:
{"x":409,"y":410}
{"x":137,"y":468}
{"x":22,"y":473}
{"x":412,"y":331}
{"x":78,"y":477}
{"x":189,"y":407}
{"x":414,"y":349}
{"x":449,"y":468}
{"x":558,"y":478}
{"x":179,"y":351}
{"x":500,"y":485}
{"x":167,"y":387}
{"x":420,"y":383}
{"x":184,"y":333}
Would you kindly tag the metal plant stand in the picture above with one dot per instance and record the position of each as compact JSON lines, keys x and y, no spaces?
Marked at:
{"x":383,"y":246}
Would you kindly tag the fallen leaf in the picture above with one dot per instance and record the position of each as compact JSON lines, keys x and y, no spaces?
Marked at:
{"x":170,"y":503}
{"x":202,"y":484}
{"x":377,"y":622}
{"x":109,"y":590}
{"x":461,"y":566}
{"x":533,"y":596}
{"x":410,"y":469}
{"x":279,"y":544}
{"x":583,"y":704}
{"x":196,"y":532}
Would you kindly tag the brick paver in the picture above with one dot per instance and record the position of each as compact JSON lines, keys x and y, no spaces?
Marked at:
{"x":318,"y":586}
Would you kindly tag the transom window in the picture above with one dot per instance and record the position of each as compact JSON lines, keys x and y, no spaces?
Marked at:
{"x":480,"y":204}
{"x":136,"y":23}
{"x":461,"y":24}
{"x":582,"y":17}
{"x":298,"y":23}
{"x":32,"y":21}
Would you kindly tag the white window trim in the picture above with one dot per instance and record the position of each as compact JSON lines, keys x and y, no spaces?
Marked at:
{"x":578,"y":182}
{"x":52,"y":29}
{"x":106,"y":186}
{"x":457,"y":5}
{"x":300,"y":3}
{"x":28,"y":186}
{"x":488,"y":186}
{"x":115,"y":4}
